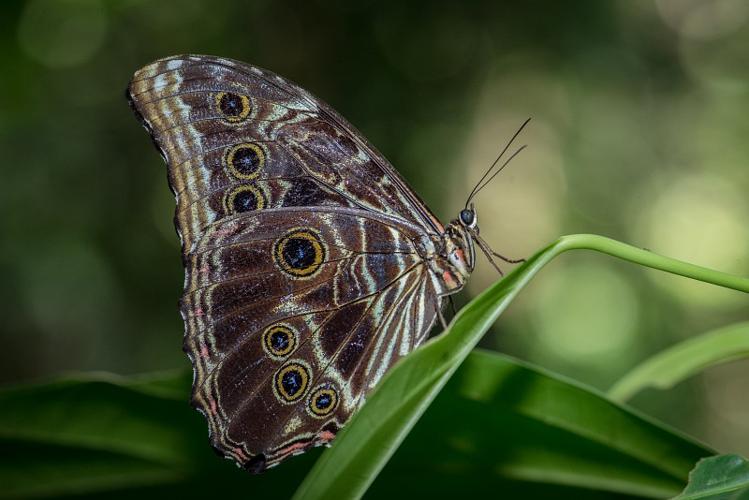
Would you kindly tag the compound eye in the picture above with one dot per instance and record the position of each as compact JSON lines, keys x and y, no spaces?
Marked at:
{"x":467,"y":217}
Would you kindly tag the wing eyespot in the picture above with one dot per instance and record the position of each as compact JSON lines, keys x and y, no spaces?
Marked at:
{"x":244,"y":198}
{"x":292,"y":381}
{"x":299,"y":253}
{"x":245,"y":161}
{"x":323,"y":401}
{"x":279,"y":341}
{"x":234,"y":107}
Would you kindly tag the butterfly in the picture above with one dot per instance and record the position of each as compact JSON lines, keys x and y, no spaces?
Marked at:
{"x":310,"y":265}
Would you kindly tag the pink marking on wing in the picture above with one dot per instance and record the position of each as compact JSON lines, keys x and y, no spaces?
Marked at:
{"x":326,"y":436}
{"x":203,"y":351}
{"x":213,"y":406}
{"x":292,"y":448}
{"x":448,"y":278}
{"x":199,"y":311}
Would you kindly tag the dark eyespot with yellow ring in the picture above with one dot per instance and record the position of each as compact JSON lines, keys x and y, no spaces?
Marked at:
{"x":244,"y":198}
{"x":323,"y":401}
{"x":279,"y":341}
{"x":234,"y":107}
{"x":291,"y":381}
{"x":245,"y":160}
{"x":300,"y":253}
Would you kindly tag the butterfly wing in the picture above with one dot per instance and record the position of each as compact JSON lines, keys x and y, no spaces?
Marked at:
{"x":292,"y":316}
{"x":303,"y":248}
{"x":220,"y":123}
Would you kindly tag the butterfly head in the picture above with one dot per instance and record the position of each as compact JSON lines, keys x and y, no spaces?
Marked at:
{"x":467,"y":222}
{"x":467,"y":225}
{"x":468,"y":218}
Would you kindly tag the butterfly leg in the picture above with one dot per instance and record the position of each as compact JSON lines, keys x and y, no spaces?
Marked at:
{"x":488,"y":252}
{"x":452,"y":305}
{"x":491,"y":253}
{"x":509,"y":261}
{"x":441,"y":317}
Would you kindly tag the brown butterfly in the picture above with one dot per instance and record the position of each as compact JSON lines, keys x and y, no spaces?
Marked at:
{"x":310,"y":265}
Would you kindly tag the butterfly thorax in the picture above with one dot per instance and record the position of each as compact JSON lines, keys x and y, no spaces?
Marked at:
{"x":450,"y":257}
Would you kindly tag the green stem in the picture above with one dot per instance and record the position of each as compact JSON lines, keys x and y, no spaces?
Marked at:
{"x":374,"y":433}
{"x":649,"y":259}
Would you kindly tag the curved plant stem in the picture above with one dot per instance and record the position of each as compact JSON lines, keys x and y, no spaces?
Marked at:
{"x":366,"y":444}
{"x":649,"y":259}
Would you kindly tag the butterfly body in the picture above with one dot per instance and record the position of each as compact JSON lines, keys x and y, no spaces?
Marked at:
{"x":310,"y":266}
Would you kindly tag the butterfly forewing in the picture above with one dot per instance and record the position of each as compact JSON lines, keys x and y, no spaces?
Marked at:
{"x":199,"y":108}
{"x":305,"y":276}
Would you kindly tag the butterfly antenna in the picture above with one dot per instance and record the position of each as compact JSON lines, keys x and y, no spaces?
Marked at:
{"x":477,"y":187}
{"x":508,"y":160}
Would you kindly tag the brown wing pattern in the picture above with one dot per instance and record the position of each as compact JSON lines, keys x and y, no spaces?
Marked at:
{"x":198,"y":108}
{"x":361,"y":302}
{"x":304,"y":279}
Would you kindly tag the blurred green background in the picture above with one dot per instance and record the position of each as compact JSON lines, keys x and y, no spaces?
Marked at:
{"x":640,"y":132}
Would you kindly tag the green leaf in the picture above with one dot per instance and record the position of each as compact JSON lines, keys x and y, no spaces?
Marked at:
{"x":500,"y":420}
{"x":94,"y":433}
{"x":363,"y":448}
{"x":371,"y":437}
{"x":725,"y":477}
{"x":499,"y":425}
{"x":681,"y":361}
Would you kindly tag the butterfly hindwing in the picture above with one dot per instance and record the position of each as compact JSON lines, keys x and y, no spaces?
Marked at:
{"x":323,"y":291}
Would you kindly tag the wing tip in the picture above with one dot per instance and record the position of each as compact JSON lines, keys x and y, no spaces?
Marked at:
{"x":132,"y":102}
{"x":144,"y":122}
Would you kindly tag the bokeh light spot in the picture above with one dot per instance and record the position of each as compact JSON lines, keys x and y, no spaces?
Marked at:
{"x":703,"y":20}
{"x":701,"y":219}
{"x":62,"y":33}
{"x":585,"y":312}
